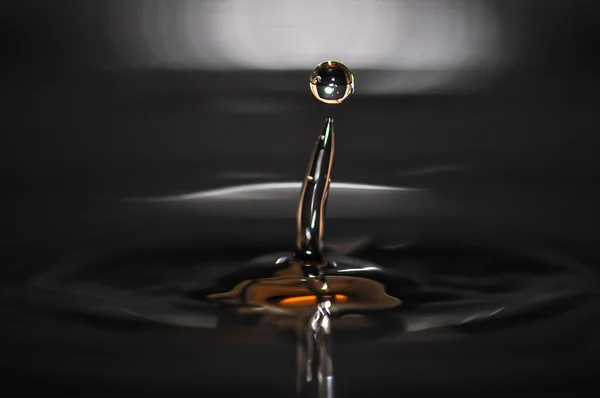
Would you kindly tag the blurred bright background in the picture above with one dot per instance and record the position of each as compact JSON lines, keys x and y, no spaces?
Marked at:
{"x":150,"y":97}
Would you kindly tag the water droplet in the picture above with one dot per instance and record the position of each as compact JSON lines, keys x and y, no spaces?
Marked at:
{"x":332,"y":82}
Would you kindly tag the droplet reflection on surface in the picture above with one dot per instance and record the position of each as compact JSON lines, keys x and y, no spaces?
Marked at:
{"x":332,"y":82}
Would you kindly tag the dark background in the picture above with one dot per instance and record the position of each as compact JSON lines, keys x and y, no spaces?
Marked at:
{"x":510,"y":147}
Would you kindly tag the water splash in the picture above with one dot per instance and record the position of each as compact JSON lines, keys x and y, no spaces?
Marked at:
{"x":308,"y":287}
{"x":301,"y":279}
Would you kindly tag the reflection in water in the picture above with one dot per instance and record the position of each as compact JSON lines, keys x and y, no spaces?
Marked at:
{"x":441,"y":284}
{"x":315,"y":363}
{"x":260,"y":191}
{"x":494,"y":311}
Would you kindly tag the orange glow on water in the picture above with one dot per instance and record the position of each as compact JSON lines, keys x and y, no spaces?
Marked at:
{"x":299,"y":301}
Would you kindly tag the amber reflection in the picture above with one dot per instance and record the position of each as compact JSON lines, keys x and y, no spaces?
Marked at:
{"x":289,"y":294}
{"x":300,"y":301}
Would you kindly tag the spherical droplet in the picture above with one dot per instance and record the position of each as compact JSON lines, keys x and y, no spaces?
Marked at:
{"x":332,"y":82}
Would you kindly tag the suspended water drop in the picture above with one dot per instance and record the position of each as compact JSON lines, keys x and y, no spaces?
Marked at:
{"x":332,"y":82}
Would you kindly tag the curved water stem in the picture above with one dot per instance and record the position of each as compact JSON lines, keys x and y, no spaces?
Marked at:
{"x":311,"y":209}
